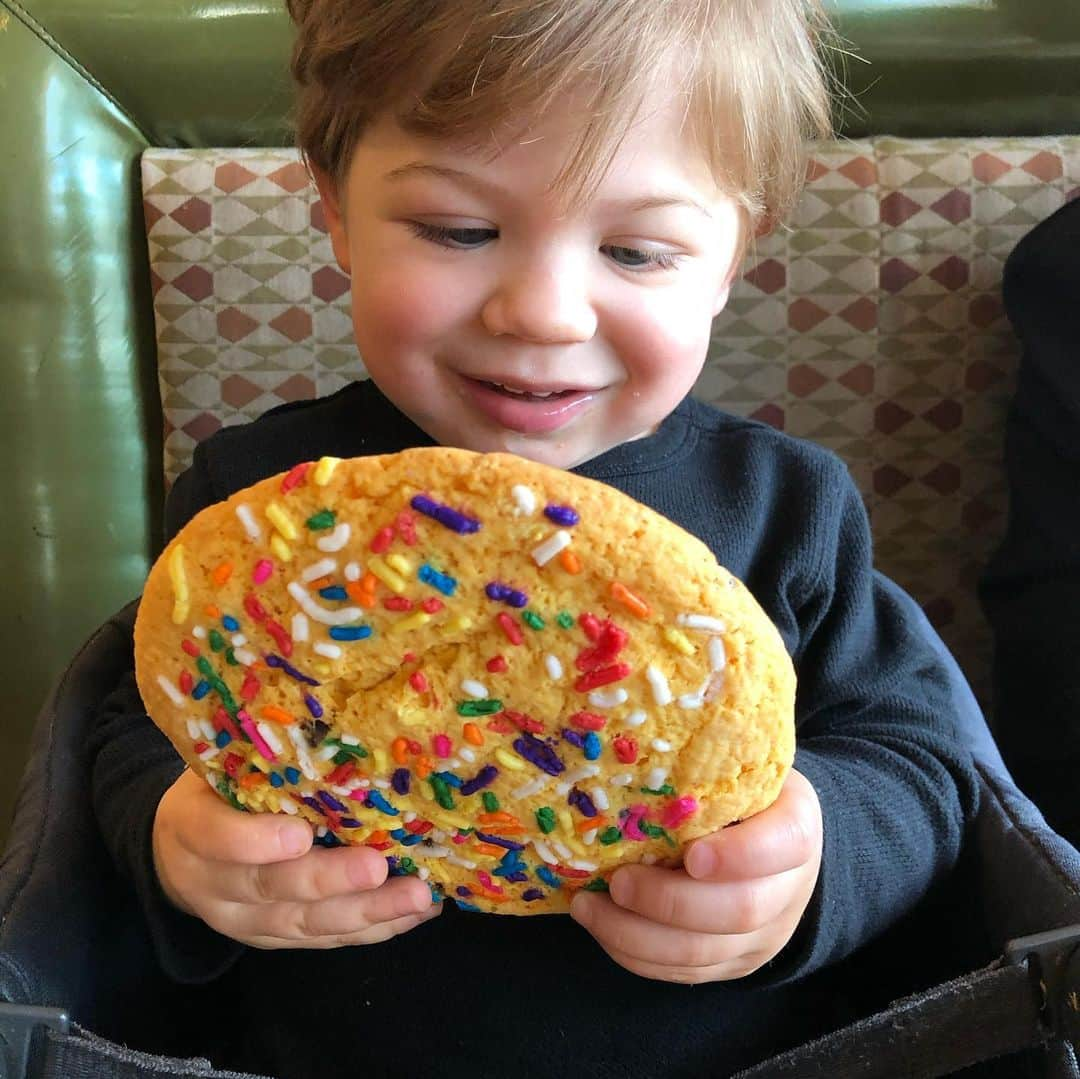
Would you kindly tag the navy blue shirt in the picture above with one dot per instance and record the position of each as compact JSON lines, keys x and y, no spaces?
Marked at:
{"x":475,"y":994}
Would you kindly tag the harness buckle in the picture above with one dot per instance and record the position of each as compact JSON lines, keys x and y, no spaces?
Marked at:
{"x":21,"y":1031}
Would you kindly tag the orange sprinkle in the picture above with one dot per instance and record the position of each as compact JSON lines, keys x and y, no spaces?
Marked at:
{"x":212,"y":610}
{"x":278,"y":715}
{"x":635,"y":604}
{"x":320,"y":583}
{"x":488,"y":848}
{"x":569,"y":561}
{"x":252,"y":779}
{"x":424,"y":768}
{"x":495,"y":897}
{"x":360,"y":595}
{"x":473,"y":734}
{"x":221,"y":574}
{"x":506,"y":818}
{"x":379,"y":837}
{"x":504,"y":829}
{"x":369,"y":582}
{"x":586,"y":824}
{"x":399,"y":750}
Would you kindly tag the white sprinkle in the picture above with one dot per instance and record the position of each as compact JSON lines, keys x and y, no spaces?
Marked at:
{"x":424,"y":850}
{"x":586,"y":771}
{"x":524,"y":500}
{"x":466,"y":754}
{"x":247,"y":519}
{"x":623,"y":779}
{"x":322,"y":830}
{"x":423,"y":872}
{"x":322,"y":614}
{"x":599,"y":797}
{"x":545,"y":852}
{"x":717,"y":655}
{"x":409,"y":817}
{"x":661,"y":691}
{"x":199,"y":632}
{"x":554,"y":667}
{"x":212,"y":780}
{"x":656,"y":778}
{"x":382,"y":784}
{"x":319,"y":569}
{"x":453,"y":859}
{"x":194,"y":731}
{"x":649,"y":859}
{"x":437,"y":836}
{"x":239,"y":640}
{"x":635,"y":719}
{"x":336,"y":540}
{"x":363,"y":784}
{"x":331,"y":651}
{"x":326,"y":753}
{"x":580,"y":863}
{"x":701,"y":621}
{"x":691,"y":700}
{"x":589,"y":836}
{"x":344,"y":792}
{"x":474,"y":689}
{"x":299,"y":627}
{"x":208,"y":731}
{"x":534,"y":786}
{"x":244,"y":657}
{"x":353,"y":571}
{"x":563,"y":851}
{"x":608,"y":698}
{"x":271,"y":739}
{"x":544,"y":552}
{"x":661,"y":745}
{"x":171,"y":691}
{"x":288,"y":805}
{"x":453,"y":763}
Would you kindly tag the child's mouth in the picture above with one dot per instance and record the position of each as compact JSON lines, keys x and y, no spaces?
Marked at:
{"x":531,"y":411}
{"x":529,"y":395}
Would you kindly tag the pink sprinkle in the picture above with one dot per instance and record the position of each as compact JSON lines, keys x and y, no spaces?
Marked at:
{"x":630,"y":825}
{"x":263,"y":568}
{"x":443,"y":746}
{"x":359,"y":794}
{"x":461,"y":839}
{"x":679,"y":811}
{"x":487,"y":882}
{"x":249,"y":728}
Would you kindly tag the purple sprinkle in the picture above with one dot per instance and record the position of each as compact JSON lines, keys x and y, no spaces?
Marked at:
{"x":312,"y":804}
{"x":483,"y":778}
{"x":540,"y":754}
{"x":330,"y":802}
{"x":517,"y":877}
{"x":516,"y":598}
{"x":444,"y":515}
{"x":573,"y":737}
{"x":580,"y":800}
{"x":561,"y":515}
{"x":400,"y":780}
{"x":349,"y":822}
{"x":463,"y":891}
{"x":313,"y":706}
{"x":273,"y":660}
{"x":496,"y":591}
{"x":498,"y":841}
{"x":505,"y":594}
{"x":530,"y":894}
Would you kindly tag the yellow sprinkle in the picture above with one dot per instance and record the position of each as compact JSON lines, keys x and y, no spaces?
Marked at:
{"x":507,"y":760}
{"x":462,"y":622}
{"x":679,"y":640}
{"x":272,"y":802}
{"x":414,"y":621}
{"x":399,"y":562}
{"x":280,"y":549}
{"x":411,"y":717}
{"x":324,"y":470}
{"x":380,"y":760}
{"x":281,"y":521}
{"x":323,"y":669}
{"x":241,"y":797}
{"x":260,"y":762}
{"x":576,"y":846}
{"x":385,"y":574}
{"x":426,"y":792}
{"x":179,"y":583}
{"x":453,"y":819}
{"x":566,"y":822}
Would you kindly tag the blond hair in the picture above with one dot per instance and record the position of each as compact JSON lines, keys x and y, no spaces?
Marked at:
{"x":752,"y":72}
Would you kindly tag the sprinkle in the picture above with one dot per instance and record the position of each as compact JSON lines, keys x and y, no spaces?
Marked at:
{"x":263,"y":568}
{"x":570,"y":561}
{"x":679,"y":641}
{"x":321,"y":520}
{"x":554,"y":667}
{"x":171,"y":691}
{"x":503,"y":593}
{"x":217,"y":642}
{"x":350,"y":633}
{"x":626,"y":749}
{"x":294,"y":477}
{"x":602,"y":676}
{"x":474,"y":689}
{"x":442,"y":791}
{"x":679,"y":811}
{"x":432,"y":605}
{"x":544,"y":552}
{"x":313,"y":706}
{"x":333,"y":592}
{"x":691,"y":700}
{"x":324,"y":470}
{"x":473,"y":734}
{"x":545,"y":820}
{"x":524,"y":500}
{"x":717,"y":655}
{"x":588,"y":721}
{"x":582,"y":802}
{"x":221,"y":574}
{"x":582,"y":866}
{"x":179,"y":583}
{"x":303,"y":758}
{"x":485,"y":777}
{"x":200,"y":690}
{"x":248,"y":726}
{"x":380,"y":542}
{"x":656,"y":778}
{"x":548,"y":877}
{"x":633,"y":603}
{"x":331,"y":651}
{"x":281,"y":521}
{"x":561,"y":515}
{"x":539,"y":753}
{"x":534,"y":786}
{"x":574,"y":738}
{"x":281,"y":638}
{"x":661,"y":745}
{"x":377,"y":801}
{"x":701,"y":621}
{"x":497,"y":664}
{"x":507,"y":760}
{"x":485,"y":707}
{"x":658,"y":682}
{"x":271,"y":739}
{"x":353,"y":571}
{"x":443,"y":582}
{"x":386,"y":574}
{"x":319,"y":569}
{"x":608,"y":698}
{"x":509,"y":627}
{"x":336,"y":540}
{"x":532,"y":893}
{"x":245,"y":657}
{"x":278,"y":715}
{"x":623,"y":779}
{"x":490,"y":800}
{"x":446,"y":516}
{"x":273,"y":660}
{"x":247,"y":519}
{"x":442,"y":745}
{"x":399,"y":563}
{"x":532,"y":619}
{"x":593,"y":747}
{"x":412,"y":621}
{"x":340,"y":617}
{"x":600,"y":798}
{"x":635,"y":719}
{"x":299,"y":627}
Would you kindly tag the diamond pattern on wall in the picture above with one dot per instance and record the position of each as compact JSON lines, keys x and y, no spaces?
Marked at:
{"x":873,"y":325}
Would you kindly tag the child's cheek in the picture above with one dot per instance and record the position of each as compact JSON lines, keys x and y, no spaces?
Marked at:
{"x":393,"y":311}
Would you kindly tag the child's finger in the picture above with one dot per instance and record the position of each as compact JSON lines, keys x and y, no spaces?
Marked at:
{"x":374,"y":934}
{"x":785,"y":836}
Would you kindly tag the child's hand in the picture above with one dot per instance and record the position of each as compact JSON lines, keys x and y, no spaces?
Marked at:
{"x":256,"y":877}
{"x":733,"y":906}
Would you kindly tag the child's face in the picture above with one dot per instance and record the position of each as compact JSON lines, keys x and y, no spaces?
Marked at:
{"x":497,"y":319}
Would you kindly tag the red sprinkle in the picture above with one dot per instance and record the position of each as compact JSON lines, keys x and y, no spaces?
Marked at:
{"x":382,"y":539}
{"x":186,"y":681}
{"x":509,"y":627}
{"x":341,"y":773}
{"x":223,"y":722}
{"x":250,"y":688}
{"x":406,"y":526}
{"x":201,"y":747}
{"x":591,"y":625}
{"x":419,"y":827}
{"x":566,"y":871}
{"x":380,"y":846}
{"x":626,"y":748}
{"x":294,"y":477}
{"x":281,"y":638}
{"x":233,"y":764}
{"x":497,"y":664}
{"x":588,"y":721}
{"x":418,"y":682}
{"x":254,"y":608}
{"x":414,"y":747}
{"x":523,"y":722}
{"x":398,"y":603}
{"x":500,"y":725}
{"x":190,"y":647}
{"x":432,"y":604}
{"x":610,"y":641}
{"x":602,"y":676}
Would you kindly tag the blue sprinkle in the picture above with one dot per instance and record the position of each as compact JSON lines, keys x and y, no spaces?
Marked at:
{"x":223,"y":739}
{"x":333,"y":591}
{"x":575,"y":738}
{"x":499,"y":841}
{"x":458,"y":522}
{"x":292,"y":774}
{"x":401,"y":781}
{"x":592,"y":746}
{"x":375,"y":799}
{"x":483,"y":778}
{"x":328,"y":840}
{"x":442,"y":581}
{"x":276,"y":780}
{"x":450,"y":779}
{"x":274,"y":660}
{"x":313,"y":706}
{"x":230,"y":623}
{"x":532,"y":893}
{"x":330,"y":801}
{"x":561,"y":515}
{"x":412,"y":840}
{"x":548,"y":877}
{"x":462,"y":905}
{"x":348,"y":822}
{"x":463,"y":891}
{"x":350,"y":633}
{"x":399,"y":834}
{"x":201,"y":690}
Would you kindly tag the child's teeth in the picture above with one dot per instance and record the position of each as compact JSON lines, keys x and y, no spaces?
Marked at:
{"x":521,"y":393}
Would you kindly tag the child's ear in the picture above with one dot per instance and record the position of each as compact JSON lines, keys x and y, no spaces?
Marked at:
{"x":335,"y":221}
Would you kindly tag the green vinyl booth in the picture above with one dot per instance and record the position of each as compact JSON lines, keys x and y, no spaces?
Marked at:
{"x":86,"y":87}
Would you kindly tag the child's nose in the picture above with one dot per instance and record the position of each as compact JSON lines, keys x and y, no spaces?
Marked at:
{"x":546,"y":304}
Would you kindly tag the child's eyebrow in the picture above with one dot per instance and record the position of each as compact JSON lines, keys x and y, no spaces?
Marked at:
{"x":483,"y":187}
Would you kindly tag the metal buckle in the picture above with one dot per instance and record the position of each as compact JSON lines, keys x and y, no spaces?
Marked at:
{"x":1053,"y":958}
{"x":21,"y":1029}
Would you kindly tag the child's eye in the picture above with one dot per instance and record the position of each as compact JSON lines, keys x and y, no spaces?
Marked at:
{"x":449,"y":237}
{"x":635,"y":258}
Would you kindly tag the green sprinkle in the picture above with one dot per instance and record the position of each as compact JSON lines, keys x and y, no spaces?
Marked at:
{"x":491,"y":802}
{"x":654,"y":831}
{"x":610,"y":835}
{"x":565,"y":619}
{"x":219,"y":686}
{"x":667,"y":788}
{"x":479,"y":708}
{"x":545,"y":818}
{"x":224,"y":788}
{"x":531,"y":618}
{"x":217,"y":642}
{"x":346,"y":752}
{"x":323,"y":519}
{"x":442,"y":792}
{"x":597,"y":885}
{"x":230,"y":657}
{"x":408,"y":865}
{"x":465,"y":831}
